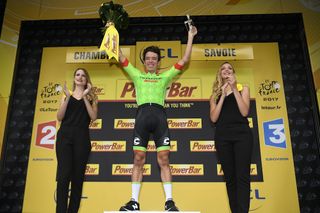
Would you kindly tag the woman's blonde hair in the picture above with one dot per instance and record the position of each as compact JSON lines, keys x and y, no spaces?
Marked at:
{"x":92,"y":97}
{"x":218,"y":83}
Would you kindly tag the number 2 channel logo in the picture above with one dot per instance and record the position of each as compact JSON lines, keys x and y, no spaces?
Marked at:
{"x":46,"y":135}
{"x":274,"y":133}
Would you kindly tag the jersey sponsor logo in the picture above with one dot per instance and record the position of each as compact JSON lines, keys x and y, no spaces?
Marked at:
{"x":136,"y":141}
{"x":125,"y":123}
{"x":92,"y":169}
{"x":181,"y":89}
{"x":187,"y":169}
{"x":152,"y":146}
{"x":166,"y":141}
{"x":274,"y":133}
{"x":46,"y":134}
{"x":202,"y":146}
{"x":108,"y":146}
{"x":253,"y":169}
{"x":97,"y":124}
{"x":126,"y":169}
{"x":185,"y":123}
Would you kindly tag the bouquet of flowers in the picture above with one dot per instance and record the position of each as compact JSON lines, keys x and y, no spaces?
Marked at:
{"x":113,"y":17}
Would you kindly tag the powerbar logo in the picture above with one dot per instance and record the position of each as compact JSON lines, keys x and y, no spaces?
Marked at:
{"x":187,"y":169}
{"x":126,"y":169}
{"x":98,"y":89}
{"x":97,"y":124}
{"x":92,"y":169}
{"x":152,"y":146}
{"x":108,"y":146}
{"x":124,"y":123}
{"x":202,"y":146}
{"x":185,"y":123}
{"x":253,"y":169}
{"x":181,"y":89}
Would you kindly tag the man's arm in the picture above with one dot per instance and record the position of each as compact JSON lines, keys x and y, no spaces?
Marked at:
{"x":122,"y":58}
{"x":185,"y":59}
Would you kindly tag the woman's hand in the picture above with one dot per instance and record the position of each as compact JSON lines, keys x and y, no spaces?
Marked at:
{"x":224,"y":90}
{"x":65,"y":90}
{"x":232,"y":82}
{"x":86,"y":91}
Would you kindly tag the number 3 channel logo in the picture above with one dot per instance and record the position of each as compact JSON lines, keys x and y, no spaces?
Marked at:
{"x":46,"y":135}
{"x":274,"y":133}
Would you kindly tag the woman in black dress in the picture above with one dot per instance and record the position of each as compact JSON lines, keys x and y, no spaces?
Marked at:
{"x":73,"y":144}
{"x":229,"y":108}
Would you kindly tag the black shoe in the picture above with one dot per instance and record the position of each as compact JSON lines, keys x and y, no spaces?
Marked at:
{"x":130,"y":206}
{"x":170,"y":206}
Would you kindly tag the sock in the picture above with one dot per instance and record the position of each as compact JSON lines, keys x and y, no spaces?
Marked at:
{"x":135,"y":190}
{"x":167,"y":186}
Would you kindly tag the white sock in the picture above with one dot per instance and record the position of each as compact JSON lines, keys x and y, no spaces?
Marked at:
{"x":167,"y":186}
{"x":135,"y":190}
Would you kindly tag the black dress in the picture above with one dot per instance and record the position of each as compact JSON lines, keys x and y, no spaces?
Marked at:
{"x":234,"y":142}
{"x":72,"y":150}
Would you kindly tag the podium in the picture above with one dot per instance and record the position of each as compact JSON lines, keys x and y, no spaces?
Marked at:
{"x":150,"y":212}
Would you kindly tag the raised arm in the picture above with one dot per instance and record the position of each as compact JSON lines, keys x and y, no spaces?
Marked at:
{"x":64,"y":103}
{"x":122,"y":58}
{"x":191,"y":33}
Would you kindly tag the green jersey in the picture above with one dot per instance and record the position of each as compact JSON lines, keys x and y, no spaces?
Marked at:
{"x":150,"y":87}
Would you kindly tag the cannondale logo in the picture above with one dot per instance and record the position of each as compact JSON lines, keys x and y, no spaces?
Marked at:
{"x":136,"y":141}
{"x":166,"y":141}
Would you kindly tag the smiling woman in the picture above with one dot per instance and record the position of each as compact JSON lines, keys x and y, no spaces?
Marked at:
{"x":73,"y":144}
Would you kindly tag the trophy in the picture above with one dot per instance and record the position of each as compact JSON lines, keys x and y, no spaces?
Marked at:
{"x":188,"y":23}
{"x":114,"y":18}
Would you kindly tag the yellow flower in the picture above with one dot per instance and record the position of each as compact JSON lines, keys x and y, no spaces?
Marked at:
{"x":239,"y":87}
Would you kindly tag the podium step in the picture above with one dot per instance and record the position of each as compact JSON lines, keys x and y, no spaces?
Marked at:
{"x":150,"y":212}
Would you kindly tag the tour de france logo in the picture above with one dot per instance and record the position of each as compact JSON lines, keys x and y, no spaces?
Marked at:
{"x":51,"y":90}
{"x":269,"y":87}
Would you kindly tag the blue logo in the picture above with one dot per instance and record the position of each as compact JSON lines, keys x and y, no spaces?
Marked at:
{"x":274,"y":133}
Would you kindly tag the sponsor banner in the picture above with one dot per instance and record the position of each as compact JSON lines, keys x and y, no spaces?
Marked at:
{"x":126,"y":169}
{"x":202,"y":146}
{"x":123,"y":123}
{"x":97,"y":124}
{"x":187,"y":169}
{"x":182,"y":89}
{"x":185,"y":123}
{"x":98,"y":89}
{"x":188,"y":97}
{"x":46,"y":135}
{"x":173,"y":123}
{"x":269,"y":93}
{"x":219,"y":52}
{"x":253,"y":169}
{"x":90,"y":55}
{"x":108,"y":146}
{"x":92,"y":169}
{"x":274,"y":134}
{"x":152,"y":146}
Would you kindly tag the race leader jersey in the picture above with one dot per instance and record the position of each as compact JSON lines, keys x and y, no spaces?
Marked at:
{"x":150,"y":87}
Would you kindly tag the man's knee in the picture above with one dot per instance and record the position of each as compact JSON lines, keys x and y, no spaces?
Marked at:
{"x":139,"y":158}
{"x":163,"y":158}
